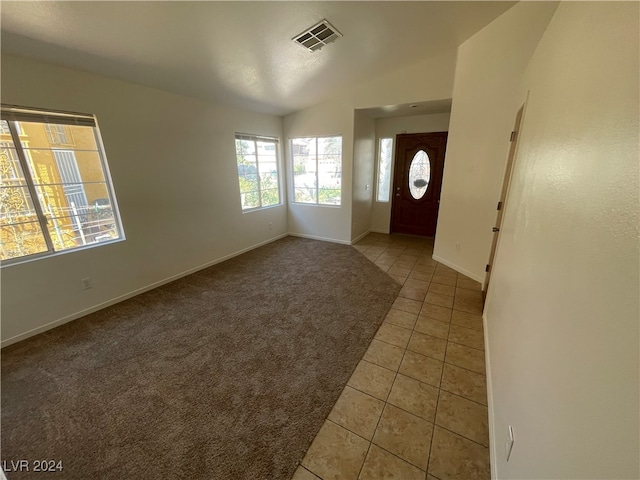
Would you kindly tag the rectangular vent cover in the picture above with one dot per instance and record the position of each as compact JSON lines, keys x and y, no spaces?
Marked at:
{"x":317,"y":36}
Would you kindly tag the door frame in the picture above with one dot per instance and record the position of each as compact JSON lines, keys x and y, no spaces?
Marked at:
{"x":399,"y":162}
{"x":508,"y":173}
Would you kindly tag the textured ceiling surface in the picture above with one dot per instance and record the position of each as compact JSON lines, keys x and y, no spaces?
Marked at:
{"x":240,"y":53}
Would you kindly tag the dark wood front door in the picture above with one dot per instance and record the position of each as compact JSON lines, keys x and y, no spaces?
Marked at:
{"x":417,"y":182}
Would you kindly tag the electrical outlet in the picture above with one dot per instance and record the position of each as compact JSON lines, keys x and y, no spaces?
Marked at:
{"x":458,"y":247}
{"x":86,"y":283}
{"x":270,"y":225}
{"x":508,"y":446}
{"x":367,"y":187}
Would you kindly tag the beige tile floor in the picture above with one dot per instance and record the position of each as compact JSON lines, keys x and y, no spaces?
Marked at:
{"x":415,"y":407}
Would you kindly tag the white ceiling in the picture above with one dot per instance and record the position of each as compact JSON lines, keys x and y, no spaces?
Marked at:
{"x":240,"y":53}
{"x":409,"y":109}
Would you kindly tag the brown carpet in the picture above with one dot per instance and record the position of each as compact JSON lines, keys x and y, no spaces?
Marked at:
{"x":227,"y":373}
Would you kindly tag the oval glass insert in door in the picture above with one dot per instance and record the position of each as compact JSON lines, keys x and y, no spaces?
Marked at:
{"x":419,"y":174}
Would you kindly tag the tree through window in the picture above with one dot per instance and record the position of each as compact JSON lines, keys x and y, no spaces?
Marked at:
{"x":257,"y":159}
{"x":317,"y":170}
{"x":53,"y":199}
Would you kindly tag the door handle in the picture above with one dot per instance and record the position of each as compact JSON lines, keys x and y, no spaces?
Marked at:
{"x":495,"y":229}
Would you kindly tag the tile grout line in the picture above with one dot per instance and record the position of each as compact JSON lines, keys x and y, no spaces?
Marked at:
{"x":435,"y":417}
{"x":460,"y":435}
{"x":384,"y":407}
{"x":456,"y":279}
{"x":451,"y":393}
{"x":387,"y":403}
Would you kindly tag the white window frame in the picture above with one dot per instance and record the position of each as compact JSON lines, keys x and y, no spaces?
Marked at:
{"x":379,"y":160}
{"x":264,"y":139}
{"x":13,"y":115}
{"x":293,"y":177}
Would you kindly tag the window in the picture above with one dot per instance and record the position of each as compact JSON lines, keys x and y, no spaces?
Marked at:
{"x":57,"y":134}
{"x":385,"y":156}
{"x":257,"y":159}
{"x":53,"y":199}
{"x":419,"y":174}
{"x":317,"y":170}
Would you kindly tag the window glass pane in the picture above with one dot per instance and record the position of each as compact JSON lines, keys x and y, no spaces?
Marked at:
{"x":270,"y":197}
{"x":64,"y":166}
{"x":268,"y":181}
{"x":329,"y":172}
{"x":21,"y":240}
{"x":67,"y":172}
{"x":74,"y":224}
{"x":16,"y":205}
{"x":257,"y":172}
{"x":330,"y":146}
{"x":250,"y":200}
{"x":317,"y":169}
{"x":305,"y":195}
{"x":419,"y":174}
{"x":21,"y":231}
{"x":46,"y":135}
{"x":248,"y":183}
{"x":384,"y":169}
{"x":10,"y":169}
{"x":329,"y":196}
{"x":245,"y":147}
{"x":4,"y":128}
{"x":303,"y":146}
{"x":266,"y":149}
{"x":304,"y":170}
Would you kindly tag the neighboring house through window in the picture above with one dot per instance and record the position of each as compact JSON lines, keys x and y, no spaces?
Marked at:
{"x":317,"y":170}
{"x":53,"y":199}
{"x":58,"y":134}
{"x":257,"y":161}
{"x":71,"y":180}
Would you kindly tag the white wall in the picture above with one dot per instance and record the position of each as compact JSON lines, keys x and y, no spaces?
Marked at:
{"x":172,"y":162}
{"x":364,"y":146}
{"x":429,"y":79}
{"x":389,"y":128}
{"x":322,"y":221}
{"x":562,"y":314}
{"x":486,"y":95}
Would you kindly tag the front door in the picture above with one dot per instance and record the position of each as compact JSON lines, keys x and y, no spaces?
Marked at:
{"x":417,"y":182}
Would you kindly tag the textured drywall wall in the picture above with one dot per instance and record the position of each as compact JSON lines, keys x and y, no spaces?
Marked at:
{"x":562,"y":314}
{"x":487,"y":92}
{"x":172,"y":161}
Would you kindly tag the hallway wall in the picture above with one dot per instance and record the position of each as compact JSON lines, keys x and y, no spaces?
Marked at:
{"x":561,"y":318}
{"x":487,"y":92}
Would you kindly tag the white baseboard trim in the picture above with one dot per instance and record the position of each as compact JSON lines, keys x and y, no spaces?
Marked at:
{"x":324,"y":239}
{"x":380,"y":230}
{"x":360,"y":237}
{"x":492,"y":433}
{"x":458,"y":269}
{"x":126,"y":296}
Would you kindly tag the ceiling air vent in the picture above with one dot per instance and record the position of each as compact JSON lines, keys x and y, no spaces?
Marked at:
{"x":317,"y":36}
